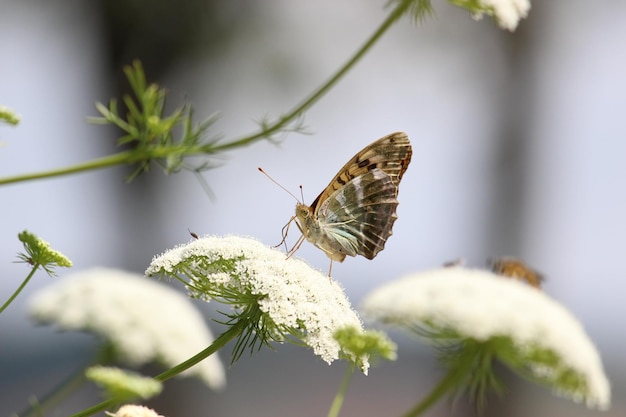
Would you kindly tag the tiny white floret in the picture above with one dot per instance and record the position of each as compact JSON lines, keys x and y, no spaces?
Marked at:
{"x":507,"y":13}
{"x":132,"y":410}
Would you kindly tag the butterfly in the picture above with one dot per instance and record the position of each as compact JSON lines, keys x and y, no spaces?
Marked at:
{"x":514,"y":268}
{"x":355,"y":213}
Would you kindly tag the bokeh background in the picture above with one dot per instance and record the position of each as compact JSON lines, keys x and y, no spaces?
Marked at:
{"x":519,"y":149}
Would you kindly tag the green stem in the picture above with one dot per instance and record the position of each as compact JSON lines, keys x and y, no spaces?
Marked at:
{"x":120,"y":158}
{"x":447,"y":384}
{"x":129,"y":157}
{"x":341,"y":394}
{"x":68,"y":386}
{"x":313,"y":98}
{"x":20,"y":288}
{"x":234,"y":331}
{"x":105,"y":162}
{"x":217,"y":344}
{"x":62,"y":391}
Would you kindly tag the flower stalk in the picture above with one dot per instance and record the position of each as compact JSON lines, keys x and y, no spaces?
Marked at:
{"x":335,"y":407}
{"x":38,"y":254}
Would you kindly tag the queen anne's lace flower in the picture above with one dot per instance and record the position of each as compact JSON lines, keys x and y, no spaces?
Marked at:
{"x":479,"y":305}
{"x":131,"y":410}
{"x":295,"y":299}
{"x":506,"y":12}
{"x":143,"y":320}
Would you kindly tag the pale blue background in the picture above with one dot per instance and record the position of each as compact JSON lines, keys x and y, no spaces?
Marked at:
{"x":519,"y":149}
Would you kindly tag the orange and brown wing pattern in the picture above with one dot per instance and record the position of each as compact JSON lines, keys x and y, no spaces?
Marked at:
{"x":390,"y":154}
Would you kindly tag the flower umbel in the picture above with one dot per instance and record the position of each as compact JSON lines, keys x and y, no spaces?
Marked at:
{"x":369,"y":344}
{"x":142,"y":320}
{"x":119,"y":383}
{"x":507,"y":13}
{"x":131,"y":410}
{"x":38,"y":252}
{"x":475,"y":315}
{"x":273,"y":298}
{"x":9,"y":116}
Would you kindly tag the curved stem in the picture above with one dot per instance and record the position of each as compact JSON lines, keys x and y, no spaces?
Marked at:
{"x":234,"y":331}
{"x":65,"y":388}
{"x":120,"y":158}
{"x":128,"y":157}
{"x":62,"y":391}
{"x":317,"y":94}
{"x":104,"y":162}
{"x":341,"y":394}
{"x":20,"y":288}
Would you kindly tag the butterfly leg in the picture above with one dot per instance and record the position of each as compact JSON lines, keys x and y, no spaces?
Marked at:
{"x":330,"y":270}
{"x":284,"y":232}
{"x":295,"y":247}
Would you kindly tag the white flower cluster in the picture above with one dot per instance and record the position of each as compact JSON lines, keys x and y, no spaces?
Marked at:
{"x":291,"y":293}
{"x":507,"y":13}
{"x":132,"y":410}
{"x":480,"y":305}
{"x":145,"y":321}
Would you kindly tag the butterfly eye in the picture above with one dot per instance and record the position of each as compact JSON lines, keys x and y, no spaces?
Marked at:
{"x":304,"y":212}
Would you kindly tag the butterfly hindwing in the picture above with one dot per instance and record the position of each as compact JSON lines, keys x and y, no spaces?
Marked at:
{"x":357,"y":218}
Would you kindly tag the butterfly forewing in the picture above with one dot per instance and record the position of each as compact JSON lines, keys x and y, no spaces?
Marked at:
{"x":391,"y":154}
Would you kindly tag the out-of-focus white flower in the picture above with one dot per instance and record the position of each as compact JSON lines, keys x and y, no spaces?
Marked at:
{"x":144,"y":321}
{"x":295,"y":300}
{"x":541,"y":337}
{"x":506,"y":12}
{"x":131,"y":410}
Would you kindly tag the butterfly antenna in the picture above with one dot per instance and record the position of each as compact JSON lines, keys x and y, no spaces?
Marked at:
{"x":301,"y":192}
{"x":280,"y":185}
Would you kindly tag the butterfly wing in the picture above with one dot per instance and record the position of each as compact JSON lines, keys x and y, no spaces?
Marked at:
{"x":390,"y":154}
{"x":357,"y":218}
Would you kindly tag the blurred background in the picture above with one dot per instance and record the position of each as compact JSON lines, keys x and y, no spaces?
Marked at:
{"x":519,"y":149}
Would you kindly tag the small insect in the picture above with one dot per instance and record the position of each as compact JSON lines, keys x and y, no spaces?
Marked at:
{"x":515,"y":268}
{"x":193,"y":234}
{"x":354,"y":214}
{"x":454,"y":263}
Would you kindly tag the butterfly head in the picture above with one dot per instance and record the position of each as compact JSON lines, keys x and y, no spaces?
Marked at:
{"x":304,"y":217}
